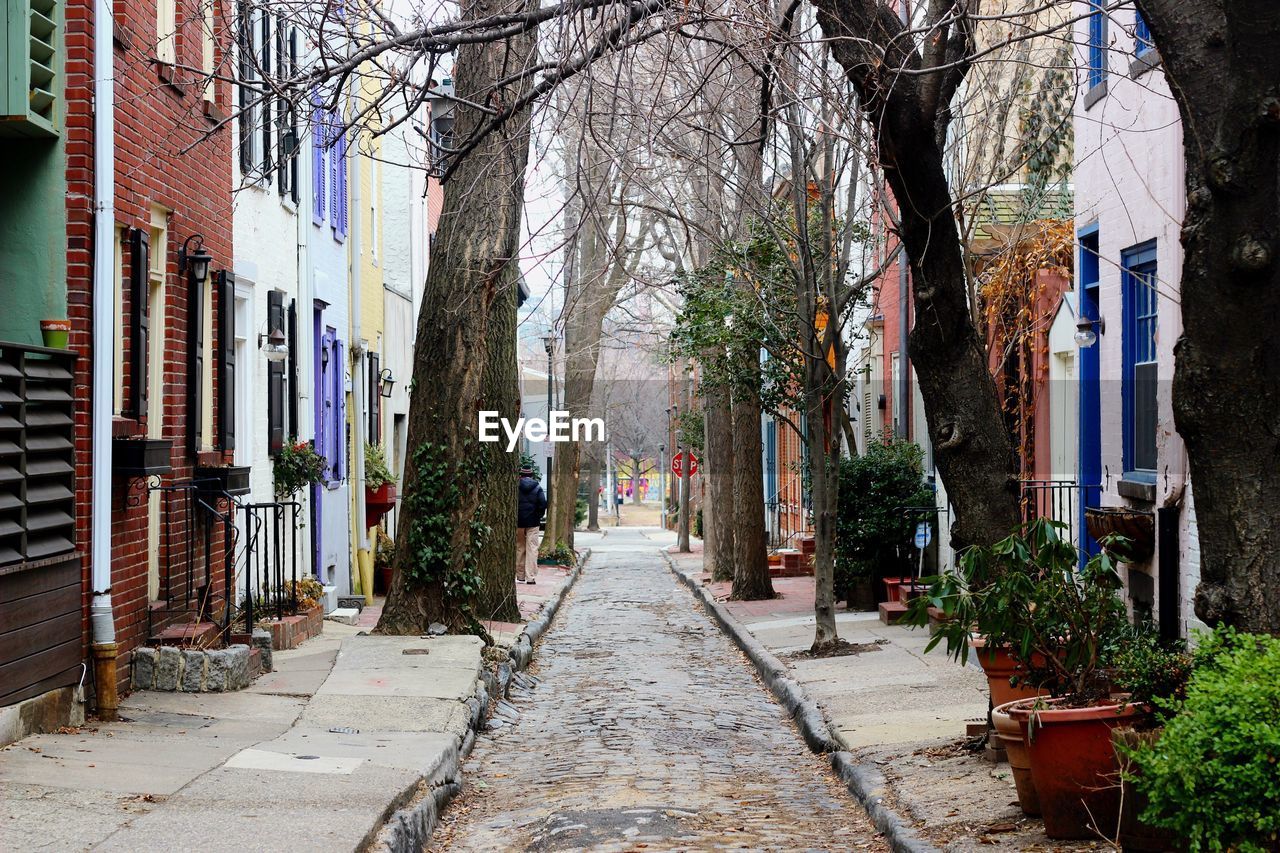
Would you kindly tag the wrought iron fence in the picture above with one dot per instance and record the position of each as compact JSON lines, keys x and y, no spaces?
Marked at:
{"x":275,"y":557}
{"x":1062,"y":501}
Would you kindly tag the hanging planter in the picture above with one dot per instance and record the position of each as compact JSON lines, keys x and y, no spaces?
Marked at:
{"x":1137,"y":528}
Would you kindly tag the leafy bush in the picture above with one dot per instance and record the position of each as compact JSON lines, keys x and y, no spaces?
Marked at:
{"x":872,"y":530}
{"x":579,"y":512}
{"x":1152,"y":672}
{"x":1213,"y":777}
{"x":376,"y":471}
{"x":308,"y":590}
{"x":1025,"y":592}
{"x":560,"y":555}
{"x":296,"y":466}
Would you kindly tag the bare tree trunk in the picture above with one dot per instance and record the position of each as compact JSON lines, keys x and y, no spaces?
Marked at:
{"x":477,"y":240}
{"x":718,"y":516}
{"x":499,"y":390}
{"x":1223,"y":67}
{"x":825,"y":495}
{"x":751,"y":580}
{"x":971,"y":446}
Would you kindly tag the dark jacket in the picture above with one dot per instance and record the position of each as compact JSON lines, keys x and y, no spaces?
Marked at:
{"x":533,"y":503}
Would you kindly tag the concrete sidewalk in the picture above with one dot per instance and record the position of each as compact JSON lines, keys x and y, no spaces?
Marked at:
{"x":894,"y":708}
{"x":352,"y":741}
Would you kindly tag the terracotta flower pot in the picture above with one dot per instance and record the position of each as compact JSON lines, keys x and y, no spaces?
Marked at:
{"x":999,"y":666}
{"x":1012,"y":733}
{"x":1074,"y":767}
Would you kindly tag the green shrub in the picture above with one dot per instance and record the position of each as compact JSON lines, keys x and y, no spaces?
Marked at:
{"x":579,"y":512}
{"x":1149,"y":670}
{"x":527,"y":461}
{"x":873,"y":533}
{"x":1213,"y":777}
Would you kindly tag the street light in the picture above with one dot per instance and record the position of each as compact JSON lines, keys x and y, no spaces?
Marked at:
{"x":549,"y":343}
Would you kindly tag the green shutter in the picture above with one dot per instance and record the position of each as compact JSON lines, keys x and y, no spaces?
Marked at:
{"x":32,"y":87}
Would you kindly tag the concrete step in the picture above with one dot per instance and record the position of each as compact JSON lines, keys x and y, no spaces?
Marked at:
{"x":345,"y":615}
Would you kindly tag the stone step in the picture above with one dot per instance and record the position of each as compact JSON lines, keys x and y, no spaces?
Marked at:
{"x":345,"y":615}
{"x":892,"y":611}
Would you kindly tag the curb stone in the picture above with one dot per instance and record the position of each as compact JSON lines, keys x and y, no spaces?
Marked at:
{"x":409,"y":827}
{"x":866,"y":783}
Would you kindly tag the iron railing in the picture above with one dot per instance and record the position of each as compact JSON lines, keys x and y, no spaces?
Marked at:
{"x":1062,"y":501}
{"x":273,"y":561}
{"x":190,"y":556}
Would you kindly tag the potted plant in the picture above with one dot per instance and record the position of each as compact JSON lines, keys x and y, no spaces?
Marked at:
{"x":379,"y":484}
{"x":141,"y":457}
{"x":228,"y":479}
{"x":295,"y":467}
{"x":1212,"y":776}
{"x":1062,"y":625}
{"x":55,"y":333}
{"x":384,"y":558}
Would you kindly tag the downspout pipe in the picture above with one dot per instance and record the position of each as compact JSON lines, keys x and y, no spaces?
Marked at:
{"x":364,"y":557}
{"x":102,"y":626}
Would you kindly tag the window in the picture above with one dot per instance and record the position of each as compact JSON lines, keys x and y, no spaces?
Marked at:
{"x":167,"y":31}
{"x":206,"y":49}
{"x":1097,"y":43}
{"x":1141,"y":35}
{"x":1139,"y":364}
{"x":329,"y":169}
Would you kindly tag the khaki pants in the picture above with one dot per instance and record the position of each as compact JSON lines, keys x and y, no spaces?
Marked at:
{"x":526,"y":553}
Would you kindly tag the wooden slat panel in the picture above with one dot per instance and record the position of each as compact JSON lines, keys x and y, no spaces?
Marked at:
{"x":48,"y":419}
{"x":24,"y":675}
{"x":33,"y":580}
{"x":56,"y":602}
{"x":48,"y":467}
{"x":45,"y":493}
{"x":48,"y":372}
{"x":45,"y":634}
{"x":48,"y":519}
{"x":49,"y":442}
{"x":66,"y":678}
{"x":39,"y":549}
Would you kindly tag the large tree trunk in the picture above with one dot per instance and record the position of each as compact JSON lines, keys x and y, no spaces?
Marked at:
{"x":476,"y":243}
{"x":499,"y":390}
{"x":971,"y":446}
{"x":751,"y":580}
{"x":1223,"y":68}
{"x":718,"y":515}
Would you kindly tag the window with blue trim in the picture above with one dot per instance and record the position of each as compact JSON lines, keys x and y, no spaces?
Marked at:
{"x":1097,"y":43}
{"x":1139,"y":276}
{"x":1141,"y":35}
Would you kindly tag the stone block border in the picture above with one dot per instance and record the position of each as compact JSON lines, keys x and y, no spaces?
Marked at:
{"x":865,"y":781}
{"x":409,"y":827}
{"x":173,"y":669}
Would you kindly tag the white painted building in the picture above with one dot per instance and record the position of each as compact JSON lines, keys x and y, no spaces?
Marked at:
{"x":1129,"y":204}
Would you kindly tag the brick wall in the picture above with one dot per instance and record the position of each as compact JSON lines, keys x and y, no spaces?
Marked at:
{"x":170,"y":152}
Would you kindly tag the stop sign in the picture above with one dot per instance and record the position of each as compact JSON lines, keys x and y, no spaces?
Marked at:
{"x":677,"y":463}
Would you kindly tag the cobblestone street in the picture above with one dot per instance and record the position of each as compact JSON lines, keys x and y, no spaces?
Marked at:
{"x":642,"y":727}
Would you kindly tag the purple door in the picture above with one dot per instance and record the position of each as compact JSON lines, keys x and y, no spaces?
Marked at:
{"x":324,"y":358}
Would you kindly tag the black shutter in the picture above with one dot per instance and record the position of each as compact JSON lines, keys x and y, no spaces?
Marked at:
{"x":375,"y":401}
{"x":268,"y":129}
{"x":292,"y":334}
{"x":195,"y":361}
{"x":244,"y":20}
{"x":227,"y":360}
{"x":275,"y":377}
{"x":139,"y":323}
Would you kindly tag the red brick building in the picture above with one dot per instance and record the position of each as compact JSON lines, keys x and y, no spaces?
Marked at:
{"x":173,"y":205}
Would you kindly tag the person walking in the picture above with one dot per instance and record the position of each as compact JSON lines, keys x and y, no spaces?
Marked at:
{"x":532,"y":504}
